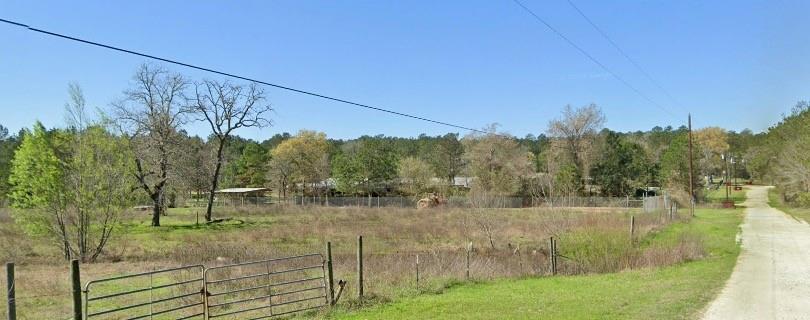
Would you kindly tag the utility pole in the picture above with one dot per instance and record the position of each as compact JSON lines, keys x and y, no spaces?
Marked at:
{"x":726,"y":176}
{"x":728,"y":170}
{"x":691,"y":180}
{"x":734,"y":169}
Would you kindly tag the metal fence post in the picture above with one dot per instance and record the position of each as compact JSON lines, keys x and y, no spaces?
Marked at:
{"x":360,"y":267}
{"x":75,"y":279}
{"x":12,"y":304}
{"x":329,"y":274}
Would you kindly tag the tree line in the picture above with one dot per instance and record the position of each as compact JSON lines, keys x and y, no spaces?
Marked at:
{"x":72,"y":182}
{"x":779,"y":155}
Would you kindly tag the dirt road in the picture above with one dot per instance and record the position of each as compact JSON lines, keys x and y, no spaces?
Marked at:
{"x":772,"y":276}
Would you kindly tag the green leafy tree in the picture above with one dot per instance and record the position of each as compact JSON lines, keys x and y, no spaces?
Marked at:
{"x":378,"y":163}
{"x":36,"y":181}
{"x":98,"y":189}
{"x":622,"y":167}
{"x":8,"y":144}
{"x":567,"y":181}
{"x":366,"y":165}
{"x":675,"y":165}
{"x":346,"y":171}
{"x":76,"y":195}
{"x":414,"y":174}
{"x":251,"y":168}
{"x":446,"y":156}
{"x":303,"y":158}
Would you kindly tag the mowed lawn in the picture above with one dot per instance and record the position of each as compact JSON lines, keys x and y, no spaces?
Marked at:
{"x":675,"y":292}
{"x":720,"y":194}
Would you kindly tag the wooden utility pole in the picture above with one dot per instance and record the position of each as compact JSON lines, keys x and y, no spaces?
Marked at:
{"x":691,"y":166}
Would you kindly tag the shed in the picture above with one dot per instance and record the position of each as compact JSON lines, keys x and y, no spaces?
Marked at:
{"x":242,"y":195}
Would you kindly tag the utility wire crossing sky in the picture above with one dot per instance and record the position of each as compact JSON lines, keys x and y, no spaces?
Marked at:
{"x":591,"y":57}
{"x":238,"y":76}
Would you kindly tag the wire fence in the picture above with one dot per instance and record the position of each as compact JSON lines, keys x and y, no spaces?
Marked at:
{"x":467,"y":202}
{"x":389,"y":273}
{"x":452,"y":202}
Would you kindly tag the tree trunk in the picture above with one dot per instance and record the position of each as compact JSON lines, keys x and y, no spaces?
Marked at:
{"x":214,"y":181}
{"x":156,"y":208}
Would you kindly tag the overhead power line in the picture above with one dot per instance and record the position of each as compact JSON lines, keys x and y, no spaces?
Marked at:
{"x":592,"y":58}
{"x":188,"y":65}
{"x":623,"y":53}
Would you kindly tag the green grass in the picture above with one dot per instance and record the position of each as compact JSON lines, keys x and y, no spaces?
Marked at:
{"x":774,"y":200}
{"x":674,"y":292}
{"x":720,"y":194}
{"x":181,"y":224}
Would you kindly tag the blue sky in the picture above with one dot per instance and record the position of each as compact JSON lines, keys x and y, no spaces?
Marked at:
{"x":736,"y":64}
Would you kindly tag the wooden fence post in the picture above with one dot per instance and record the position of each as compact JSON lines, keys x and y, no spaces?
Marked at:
{"x":12,"y":303}
{"x":554,"y":245}
{"x":670,"y":211}
{"x":469,"y":251}
{"x":76,"y":282}
{"x":552,"y":254}
{"x":632,"y":228}
{"x":360,"y":267}
{"x":417,"y":272}
{"x":330,"y":274}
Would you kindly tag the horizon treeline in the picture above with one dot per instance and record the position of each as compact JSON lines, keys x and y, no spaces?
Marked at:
{"x":573,"y":155}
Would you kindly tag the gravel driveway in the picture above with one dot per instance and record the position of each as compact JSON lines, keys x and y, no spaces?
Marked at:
{"x":772,"y":277}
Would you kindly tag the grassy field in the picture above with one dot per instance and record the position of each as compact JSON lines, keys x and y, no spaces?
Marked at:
{"x":507,"y":244}
{"x":774,"y":200}
{"x":675,"y":292}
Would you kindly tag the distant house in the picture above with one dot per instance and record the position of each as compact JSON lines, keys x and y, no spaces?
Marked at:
{"x":458,"y":182}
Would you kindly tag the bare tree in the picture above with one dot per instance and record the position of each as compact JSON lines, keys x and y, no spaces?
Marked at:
{"x":498,"y":164}
{"x":227,"y":107}
{"x":496,"y":161}
{"x":280,"y":173}
{"x":151,"y":113}
{"x":576,"y":133}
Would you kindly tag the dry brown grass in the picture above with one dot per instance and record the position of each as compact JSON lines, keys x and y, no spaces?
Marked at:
{"x":506,"y":243}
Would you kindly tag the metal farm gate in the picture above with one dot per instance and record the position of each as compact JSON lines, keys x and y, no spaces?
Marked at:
{"x":250,"y":290}
{"x":174,"y":293}
{"x":266,"y":288}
